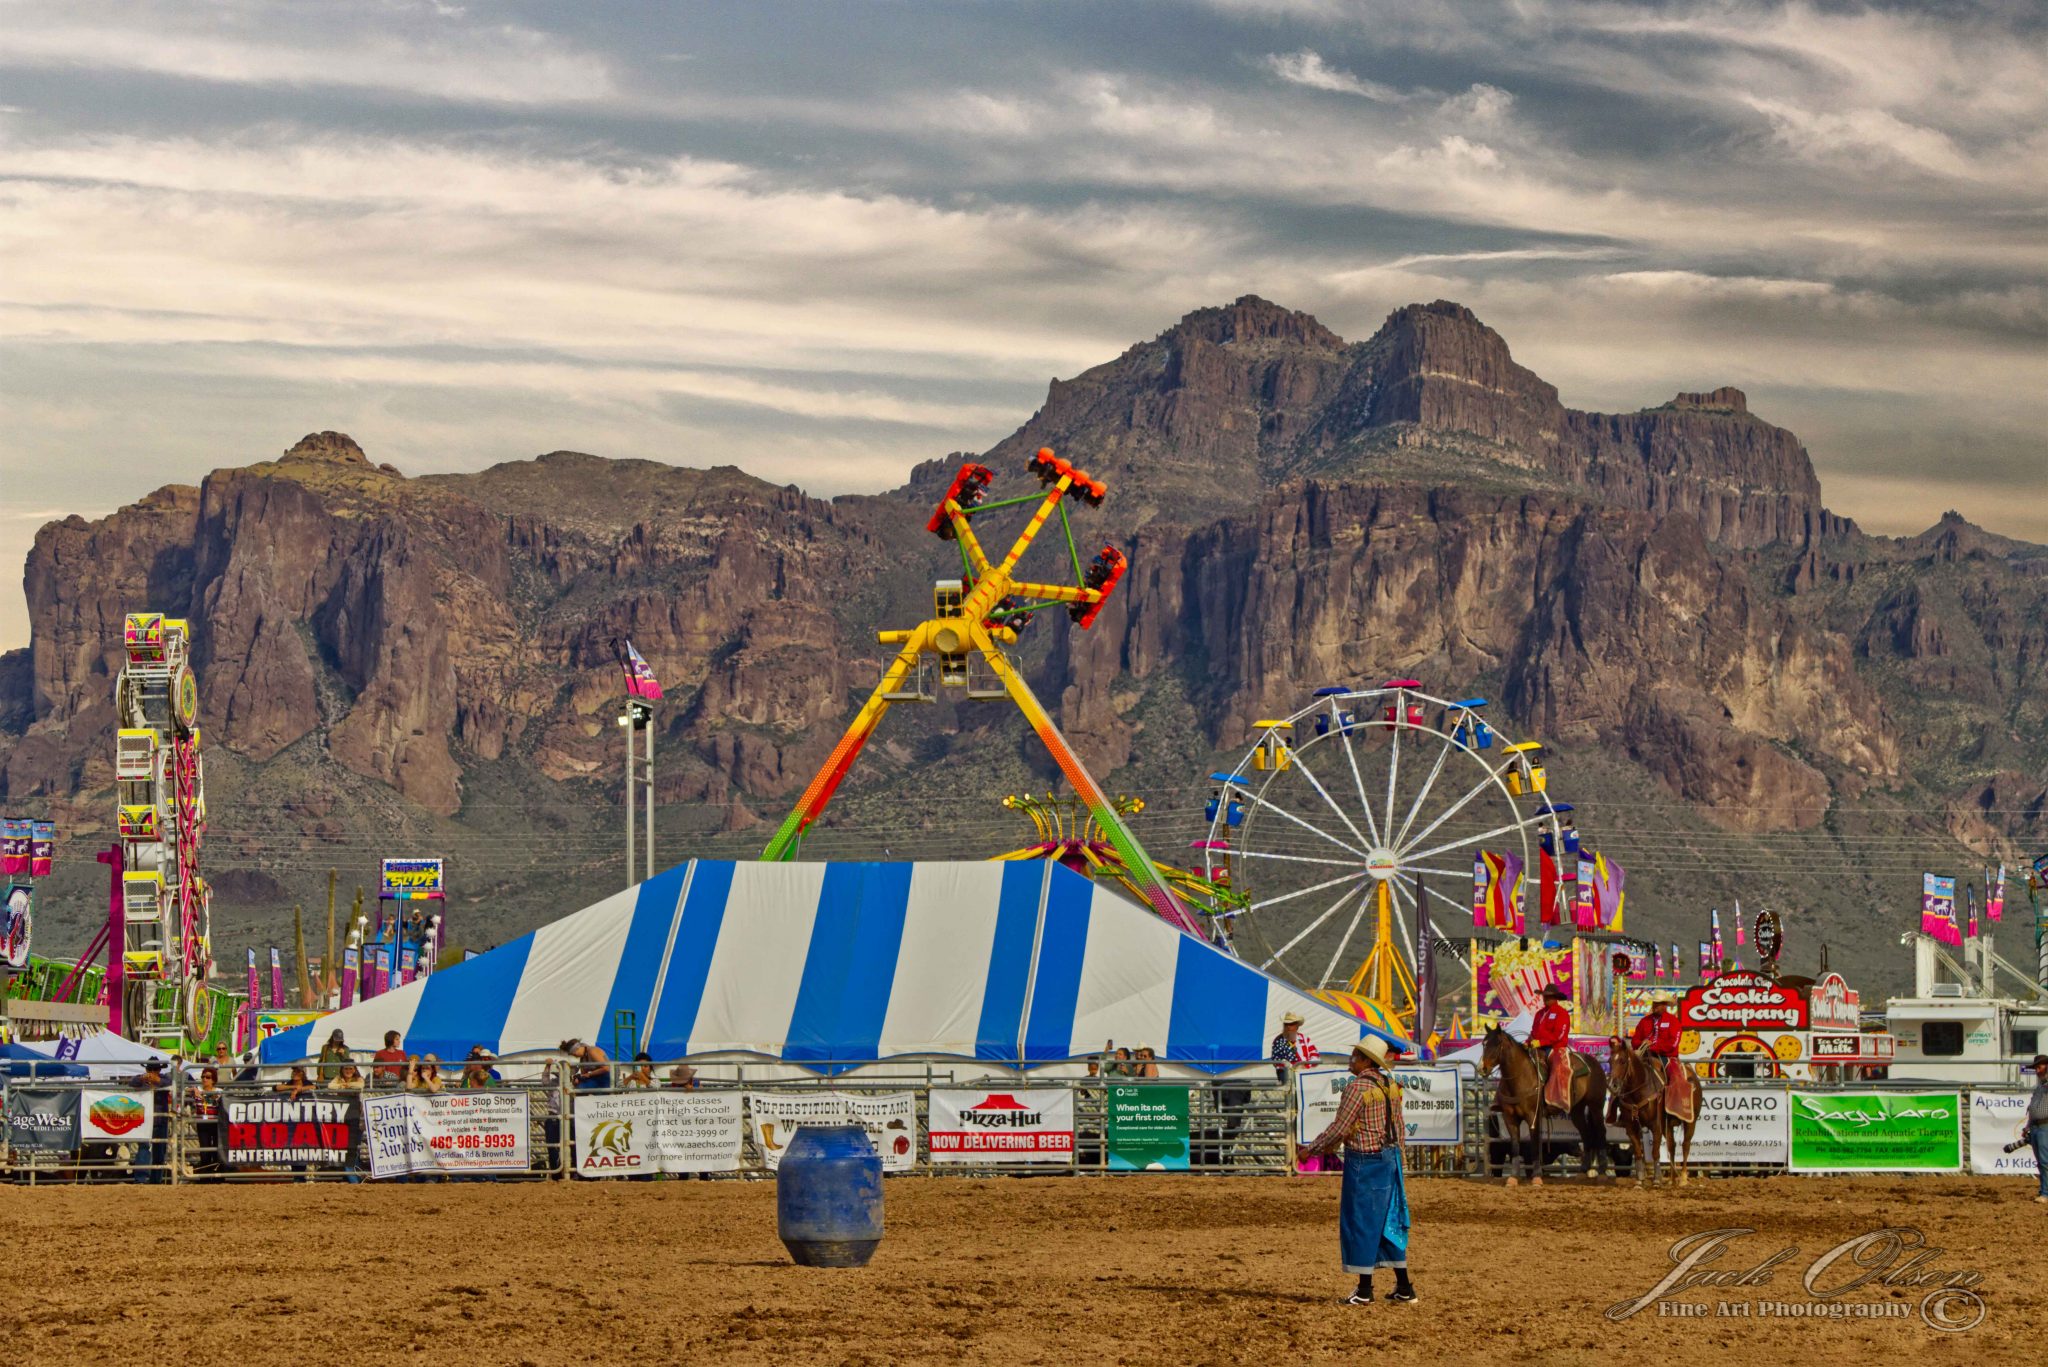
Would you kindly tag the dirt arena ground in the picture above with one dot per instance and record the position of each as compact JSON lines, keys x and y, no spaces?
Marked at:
{"x":1147,"y":1269}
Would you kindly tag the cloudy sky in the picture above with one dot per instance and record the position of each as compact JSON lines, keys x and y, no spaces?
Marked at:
{"x":825,"y":240}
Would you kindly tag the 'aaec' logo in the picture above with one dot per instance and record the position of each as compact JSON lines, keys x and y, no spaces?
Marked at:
{"x":611,"y":1142}
{"x":115,"y":1114}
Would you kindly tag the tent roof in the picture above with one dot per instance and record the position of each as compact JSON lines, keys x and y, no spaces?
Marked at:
{"x":830,"y":964}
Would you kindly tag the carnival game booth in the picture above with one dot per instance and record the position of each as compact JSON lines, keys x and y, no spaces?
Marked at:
{"x":802,"y":969}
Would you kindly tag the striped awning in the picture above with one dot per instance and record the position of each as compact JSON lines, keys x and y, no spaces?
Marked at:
{"x":827,"y":965}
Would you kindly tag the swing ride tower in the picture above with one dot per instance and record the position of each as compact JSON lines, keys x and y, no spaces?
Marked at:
{"x":961,"y":646}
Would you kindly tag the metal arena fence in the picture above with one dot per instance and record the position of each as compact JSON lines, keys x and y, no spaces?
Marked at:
{"x":542,"y":1122}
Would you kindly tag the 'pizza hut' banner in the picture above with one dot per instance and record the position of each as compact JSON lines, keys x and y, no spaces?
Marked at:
{"x":1742,"y":1001}
{"x":410,"y":880}
{"x":979,"y":1126}
{"x":272,"y":1130}
{"x":448,"y":1132}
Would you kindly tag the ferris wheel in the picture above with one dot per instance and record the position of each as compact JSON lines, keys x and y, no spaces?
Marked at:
{"x":1351,"y":810}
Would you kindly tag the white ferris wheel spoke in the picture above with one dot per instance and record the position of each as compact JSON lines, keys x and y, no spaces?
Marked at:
{"x":1534,"y":819}
{"x":1310,"y":928}
{"x":1295,"y":858}
{"x":1330,"y":969}
{"x":1490,"y":781}
{"x":1435,"y":770}
{"x":1307,"y":826}
{"x":1329,"y":801}
{"x":1394,"y":755}
{"x":1439,"y":873}
{"x":1303,"y":892}
{"x":1364,"y":802}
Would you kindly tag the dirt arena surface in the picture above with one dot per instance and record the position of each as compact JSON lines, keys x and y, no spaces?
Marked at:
{"x":1146,"y":1269}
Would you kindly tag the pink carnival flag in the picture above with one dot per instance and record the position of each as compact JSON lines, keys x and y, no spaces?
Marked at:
{"x":1994,"y":893}
{"x":1938,"y":908}
{"x":640,"y":680}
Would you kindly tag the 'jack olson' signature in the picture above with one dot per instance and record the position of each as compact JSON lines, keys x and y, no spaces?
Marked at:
{"x":1895,"y":1257}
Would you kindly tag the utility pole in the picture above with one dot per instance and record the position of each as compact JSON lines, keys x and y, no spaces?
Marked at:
{"x":638,"y":718}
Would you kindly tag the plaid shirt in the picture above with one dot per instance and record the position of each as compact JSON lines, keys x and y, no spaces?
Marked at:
{"x":1368,"y":1118}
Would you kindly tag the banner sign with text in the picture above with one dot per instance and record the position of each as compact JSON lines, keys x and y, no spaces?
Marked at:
{"x":42,"y":1120}
{"x":410,"y":880}
{"x":315,"y":1133}
{"x":1742,"y":1125}
{"x":1739,"y":1000}
{"x":1432,"y":1103}
{"x":629,"y":1133}
{"x":1147,"y":1128}
{"x":1877,"y":1132}
{"x":485,"y":1131}
{"x":974,"y":1125}
{"x":1995,"y":1121}
{"x":890,"y":1120}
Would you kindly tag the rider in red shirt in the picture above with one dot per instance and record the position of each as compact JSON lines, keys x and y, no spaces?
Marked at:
{"x":1551,"y":1030}
{"x":1657,"y":1033}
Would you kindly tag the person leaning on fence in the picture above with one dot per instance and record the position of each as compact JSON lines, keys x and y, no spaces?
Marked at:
{"x":641,"y":1074}
{"x":1146,"y":1063}
{"x":1291,"y":1049}
{"x":202,"y":1105}
{"x":149,"y":1157}
{"x":594,"y":1066}
{"x":424,"y":1075}
{"x":1372,"y":1212}
{"x":349,"y":1079}
{"x":333,"y":1054}
{"x":477,"y":1070}
{"x":682,"y":1077}
{"x":2036,"y":1129}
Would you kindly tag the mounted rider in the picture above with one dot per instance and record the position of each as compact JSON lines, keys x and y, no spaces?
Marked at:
{"x":1550,"y":1035}
{"x":1657,"y":1035}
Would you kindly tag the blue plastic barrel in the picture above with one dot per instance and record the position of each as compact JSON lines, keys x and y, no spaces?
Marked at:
{"x":828,"y":1197}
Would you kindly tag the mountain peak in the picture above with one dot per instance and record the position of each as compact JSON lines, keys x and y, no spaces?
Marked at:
{"x":327,"y":446}
{"x":1252,"y":319}
{"x":1726,"y":399}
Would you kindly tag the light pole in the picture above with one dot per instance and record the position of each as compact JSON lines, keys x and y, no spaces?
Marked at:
{"x":636,"y":719}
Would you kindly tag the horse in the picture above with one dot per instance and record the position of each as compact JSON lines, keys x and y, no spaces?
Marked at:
{"x":1519,"y":1099}
{"x":1637,"y":1091}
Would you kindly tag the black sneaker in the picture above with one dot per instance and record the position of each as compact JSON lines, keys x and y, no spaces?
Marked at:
{"x":1402,"y":1295}
{"x":1355,"y":1299}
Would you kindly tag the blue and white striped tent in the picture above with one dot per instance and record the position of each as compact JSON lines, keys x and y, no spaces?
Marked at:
{"x":827,"y":965}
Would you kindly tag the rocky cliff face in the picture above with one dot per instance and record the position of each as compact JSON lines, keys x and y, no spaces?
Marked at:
{"x":1661,"y":594}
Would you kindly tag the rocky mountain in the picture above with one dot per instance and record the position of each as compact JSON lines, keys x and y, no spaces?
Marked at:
{"x":1747,"y":696}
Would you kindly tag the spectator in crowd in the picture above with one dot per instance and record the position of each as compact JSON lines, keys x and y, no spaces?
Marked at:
{"x":349,"y":1079}
{"x":593,"y":1065}
{"x":223,"y":1057}
{"x":149,"y":1158}
{"x":682,"y":1077}
{"x":1145,"y":1064}
{"x":202,"y":1105}
{"x":477,"y":1070}
{"x":1119,"y":1064}
{"x":297,"y":1085}
{"x":2035,"y":1131}
{"x":1291,"y":1048}
{"x":392,"y":1064}
{"x":642,"y":1072}
{"x":247,"y":1072}
{"x":424,"y":1075}
{"x":333,"y":1054}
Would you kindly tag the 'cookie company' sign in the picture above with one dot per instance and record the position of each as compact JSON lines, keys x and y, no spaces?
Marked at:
{"x":1742,"y":1001}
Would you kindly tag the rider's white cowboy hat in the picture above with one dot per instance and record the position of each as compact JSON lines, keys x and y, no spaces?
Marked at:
{"x":1661,"y":998}
{"x":1372,"y":1047}
{"x":1291,"y":1018}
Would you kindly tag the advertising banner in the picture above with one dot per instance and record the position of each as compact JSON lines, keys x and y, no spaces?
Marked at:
{"x":410,"y":880}
{"x":263,"y":1131}
{"x":1938,"y":908}
{"x":1742,"y":1125}
{"x":17,"y":926}
{"x":42,"y":1120}
{"x":973,"y":1125}
{"x":484,"y":1131}
{"x":1147,"y":1128}
{"x":270,"y":1023}
{"x":1512,"y":978}
{"x":890,"y":1120}
{"x":1995,"y":1121}
{"x":1877,"y":1132}
{"x":14,"y":843}
{"x":115,"y":1117}
{"x":1432,"y":1103}
{"x":42,"y":848}
{"x":630,"y":1133}
{"x":1742,"y":1001}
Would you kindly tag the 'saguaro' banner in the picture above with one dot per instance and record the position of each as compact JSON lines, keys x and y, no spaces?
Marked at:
{"x":1877,"y":1132}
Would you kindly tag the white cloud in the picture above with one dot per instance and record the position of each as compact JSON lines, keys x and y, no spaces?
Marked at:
{"x":1308,"y":68}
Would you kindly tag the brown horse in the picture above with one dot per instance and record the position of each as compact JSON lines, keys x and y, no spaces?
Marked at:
{"x":1637,"y":1087}
{"x":1519,"y":1099}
